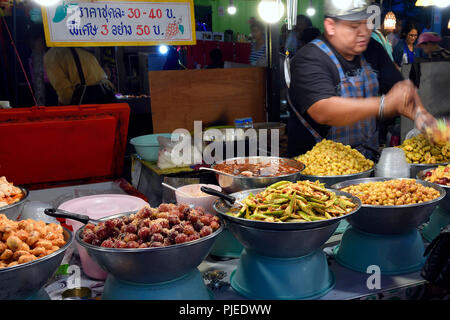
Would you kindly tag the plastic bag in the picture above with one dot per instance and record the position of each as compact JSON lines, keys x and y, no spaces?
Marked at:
{"x":171,"y":155}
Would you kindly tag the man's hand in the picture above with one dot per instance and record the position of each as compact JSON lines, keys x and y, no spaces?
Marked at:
{"x":401,"y":99}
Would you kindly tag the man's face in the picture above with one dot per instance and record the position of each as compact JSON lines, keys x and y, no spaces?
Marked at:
{"x":351,"y":37}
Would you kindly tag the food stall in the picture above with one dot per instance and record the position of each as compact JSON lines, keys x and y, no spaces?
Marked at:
{"x":329,"y":224}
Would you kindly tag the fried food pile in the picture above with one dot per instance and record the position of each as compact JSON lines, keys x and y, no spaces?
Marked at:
{"x":9,"y":194}
{"x":329,"y":158}
{"x":420,"y":150}
{"x":27,"y":240}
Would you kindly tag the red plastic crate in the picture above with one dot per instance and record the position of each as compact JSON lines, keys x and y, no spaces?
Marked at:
{"x":48,"y":145}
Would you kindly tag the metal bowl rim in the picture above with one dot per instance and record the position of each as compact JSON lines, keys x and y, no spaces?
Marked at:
{"x":25,"y":191}
{"x":283,"y":230}
{"x":141,"y":250}
{"x":441,"y":190}
{"x":256,"y":178}
{"x":287,"y":224}
{"x":341,"y":176}
{"x":422,"y":172}
{"x":47,"y":257}
{"x":428,"y":164}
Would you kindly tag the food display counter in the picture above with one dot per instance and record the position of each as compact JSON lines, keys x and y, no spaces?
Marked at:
{"x":216,"y":274}
{"x":360,"y":238}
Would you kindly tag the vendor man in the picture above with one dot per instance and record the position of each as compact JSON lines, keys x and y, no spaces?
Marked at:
{"x":337,"y":80}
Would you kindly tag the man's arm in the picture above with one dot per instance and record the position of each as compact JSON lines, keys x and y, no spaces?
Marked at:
{"x":338,"y":111}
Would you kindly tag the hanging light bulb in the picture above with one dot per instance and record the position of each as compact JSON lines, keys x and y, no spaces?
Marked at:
{"x":47,"y":3}
{"x":438,"y":3}
{"x":390,"y":21}
{"x":448,"y":27}
{"x":310,"y":11}
{"x":231,"y":8}
{"x":271,"y":11}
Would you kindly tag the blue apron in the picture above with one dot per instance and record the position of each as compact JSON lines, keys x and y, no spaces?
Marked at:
{"x":363,"y":85}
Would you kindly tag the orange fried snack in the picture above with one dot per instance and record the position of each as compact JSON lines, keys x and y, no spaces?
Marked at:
{"x":27,"y":240}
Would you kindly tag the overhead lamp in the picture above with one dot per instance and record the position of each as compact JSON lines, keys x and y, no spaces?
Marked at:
{"x":231,"y":8}
{"x":271,"y":11}
{"x":163,"y":49}
{"x":47,"y":3}
{"x":438,"y":3}
{"x":390,"y":21}
{"x":310,"y":11}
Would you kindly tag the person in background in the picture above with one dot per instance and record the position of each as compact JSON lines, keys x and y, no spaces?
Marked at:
{"x":429,"y":43}
{"x":173,"y":60}
{"x":427,"y":28}
{"x":404,"y":51}
{"x":216,"y":59}
{"x":336,"y":82}
{"x":309,"y":34}
{"x":379,"y":36}
{"x":258,"y":57}
{"x":295,"y":38}
{"x":395,"y":36}
{"x":63,"y":75}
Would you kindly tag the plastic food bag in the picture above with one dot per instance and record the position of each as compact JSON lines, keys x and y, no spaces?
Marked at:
{"x":171,"y":155}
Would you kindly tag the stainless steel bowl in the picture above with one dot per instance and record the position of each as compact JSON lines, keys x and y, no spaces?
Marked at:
{"x":445,"y":203}
{"x":222,"y":207}
{"x":391,"y":219}
{"x":331,"y":180}
{"x":281,"y":243}
{"x":231,"y":183}
{"x":280,"y":239}
{"x":150,"y":265}
{"x":14,"y":210}
{"x":24,"y":280}
{"x":416,"y":168}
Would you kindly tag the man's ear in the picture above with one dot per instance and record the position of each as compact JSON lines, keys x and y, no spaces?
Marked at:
{"x":330,"y":26}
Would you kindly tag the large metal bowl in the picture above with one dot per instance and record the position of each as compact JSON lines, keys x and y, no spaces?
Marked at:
{"x":280,"y":239}
{"x":391,"y":219}
{"x":416,"y":168}
{"x":150,"y":265}
{"x":231,"y":183}
{"x":13,"y":211}
{"x":281,"y":243}
{"x":22,"y":281}
{"x":332,"y":180}
{"x":222,"y":207}
{"x":445,"y":203}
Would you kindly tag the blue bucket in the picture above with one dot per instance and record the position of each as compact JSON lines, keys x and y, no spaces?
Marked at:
{"x":147,"y":147}
{"x":264,"y":278}
{"x":438,"y":220}
{"x":394,"y":254}
{"x":188,"y":287}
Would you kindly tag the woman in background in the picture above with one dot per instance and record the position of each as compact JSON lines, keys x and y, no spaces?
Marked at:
{"x":404,"y":51}
{"x":258,"y":57}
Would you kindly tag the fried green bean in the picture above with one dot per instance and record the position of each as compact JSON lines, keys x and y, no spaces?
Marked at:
{"x":303,"y":201}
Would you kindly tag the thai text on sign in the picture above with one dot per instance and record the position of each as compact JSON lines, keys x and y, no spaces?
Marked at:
{"x":119,"y":23}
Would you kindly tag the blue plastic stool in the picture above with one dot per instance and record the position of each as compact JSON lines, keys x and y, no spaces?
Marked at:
{"x":394,"y":254}
{"x":226,"y":246}
{"x":188,"y":287}
{"x":264,"y":278}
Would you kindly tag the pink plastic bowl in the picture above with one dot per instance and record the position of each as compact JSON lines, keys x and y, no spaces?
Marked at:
{"x":206,"y":202}
{"x":97,"y":207}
